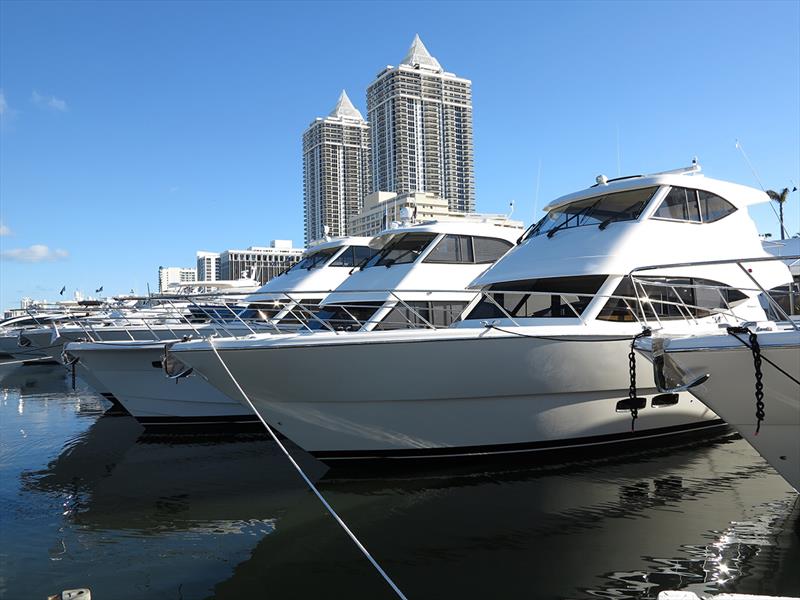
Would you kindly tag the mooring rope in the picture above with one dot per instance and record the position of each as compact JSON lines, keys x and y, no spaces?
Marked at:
{"x":311,"y":486}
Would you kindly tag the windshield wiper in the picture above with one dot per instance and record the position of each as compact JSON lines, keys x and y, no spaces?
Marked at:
{"x":606,"y":223}
{"x":576,"y":216}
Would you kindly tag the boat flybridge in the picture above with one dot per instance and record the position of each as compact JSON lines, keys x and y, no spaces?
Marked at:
{"x":747,"y":372}
{"x":132,"y":371}
{"x":539,"y":360}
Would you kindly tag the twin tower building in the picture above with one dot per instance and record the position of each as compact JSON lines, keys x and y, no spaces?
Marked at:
{"x":416,"y":145}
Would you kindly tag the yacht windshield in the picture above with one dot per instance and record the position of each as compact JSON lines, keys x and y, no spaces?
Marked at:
{"x":597,"y":210}
{"x":317,"y":259}
{"x":403,"y":249}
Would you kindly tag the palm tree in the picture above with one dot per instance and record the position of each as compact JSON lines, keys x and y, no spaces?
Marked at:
{"x":781,"y":200}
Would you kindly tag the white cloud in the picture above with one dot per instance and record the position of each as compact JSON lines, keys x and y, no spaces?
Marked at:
{"x":4,"y":230}
{"x":3,"y":104}
{"x":48,"y":102}
{"x":35,"y":253}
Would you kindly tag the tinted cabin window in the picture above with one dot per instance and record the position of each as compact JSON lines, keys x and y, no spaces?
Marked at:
{"x":713,"y":207}
{"x":345,"y":317}
{"x":682,"y":204}
{"x":353,"y":256}
{"x":405,"y":249}
{"x":415,"y":314}
{"x":315,"y":260}
{"x":489,"y":250}
{"x":669,"y":298}
{"x":452,"y":249}
{"x":558,"y":297}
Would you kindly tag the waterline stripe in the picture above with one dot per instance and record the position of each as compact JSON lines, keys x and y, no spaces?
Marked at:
{"x":311,"y":486}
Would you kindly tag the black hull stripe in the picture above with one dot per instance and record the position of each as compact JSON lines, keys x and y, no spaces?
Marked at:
{"x":208,"y":420}
{"x":461,"y":451}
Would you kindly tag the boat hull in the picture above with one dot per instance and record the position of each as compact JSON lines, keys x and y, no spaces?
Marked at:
{"x":444,"y":396}
{"x":132,"y":372}
{"x":730,"y":391}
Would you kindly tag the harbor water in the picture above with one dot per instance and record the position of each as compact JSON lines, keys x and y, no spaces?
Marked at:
{"x":89,"y":500}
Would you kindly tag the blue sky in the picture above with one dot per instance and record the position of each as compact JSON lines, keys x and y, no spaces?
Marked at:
{"x":135,"y":133}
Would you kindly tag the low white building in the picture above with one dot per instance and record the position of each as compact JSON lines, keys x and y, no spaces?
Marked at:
{"x":383,"y":208}
{"x":260,"y":262}
{"x":168,"y":276}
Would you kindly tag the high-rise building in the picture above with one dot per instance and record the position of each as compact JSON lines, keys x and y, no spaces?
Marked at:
{"x":336,"y":173}
{"x":175,"y":276}
{"x":260,"y":262}
{"x":420,"y":118}
{"x":207,"y":266}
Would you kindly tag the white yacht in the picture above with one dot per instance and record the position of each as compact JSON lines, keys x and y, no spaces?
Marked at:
{"x":749,"y":374}
{"x":417,"y":277}
{"x":291,"y":297}
{"x":539,"y":361}
{"x":131,"y":371}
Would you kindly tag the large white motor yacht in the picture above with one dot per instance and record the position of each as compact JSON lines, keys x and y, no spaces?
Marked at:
{"x":539,"y":361}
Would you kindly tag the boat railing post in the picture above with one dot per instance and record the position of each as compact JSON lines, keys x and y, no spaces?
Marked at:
{"x":311,"y":313}
{"x":236,"y":314}
{"x":185,"y":317}
{"x":423,"y":319}
{"x":769,"y":298}
{"x":214,"y":324}
{"x":486,"y":294}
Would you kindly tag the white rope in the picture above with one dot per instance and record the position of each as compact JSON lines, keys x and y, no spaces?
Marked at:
{"x":311,"y":486}
{"x":29,"y":361}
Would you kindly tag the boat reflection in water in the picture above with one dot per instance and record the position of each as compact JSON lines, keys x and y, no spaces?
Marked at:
{"x":615,"y":527}
{"x":132,"y":515}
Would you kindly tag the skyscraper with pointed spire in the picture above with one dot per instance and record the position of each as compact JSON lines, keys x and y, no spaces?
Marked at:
{"x":421,"y":122}
{"x":336,"y":170}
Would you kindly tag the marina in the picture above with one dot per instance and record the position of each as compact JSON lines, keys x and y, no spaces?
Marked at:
{"x":432,"y":340}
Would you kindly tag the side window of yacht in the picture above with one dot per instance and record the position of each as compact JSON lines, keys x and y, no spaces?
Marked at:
{"x":415,"y":314}
{"x":489,"y":250}
{"x":679,"y":205}
{"x":713,"y":207}
{"x":342,"y":317}
{"x":452,"y":249}
{"x":556,"y":297}
{"x":669,"y":298}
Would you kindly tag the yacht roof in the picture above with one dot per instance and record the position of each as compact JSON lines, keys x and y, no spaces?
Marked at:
{"x":462,"y":227}
{"x":337,"y":242}
{"x":740,"y":196}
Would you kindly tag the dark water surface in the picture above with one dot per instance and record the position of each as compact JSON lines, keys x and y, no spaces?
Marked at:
{"x":88,"y":501}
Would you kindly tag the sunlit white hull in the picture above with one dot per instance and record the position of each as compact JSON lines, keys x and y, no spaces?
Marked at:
{"x":132,"y":372}
{"x":437,"y":393}
{"x":730,"y":390}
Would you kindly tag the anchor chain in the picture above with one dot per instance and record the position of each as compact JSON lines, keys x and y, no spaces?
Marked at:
{"x":755,"y":348}
{"x":632,"y":398}
{"x":759,"y":384}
